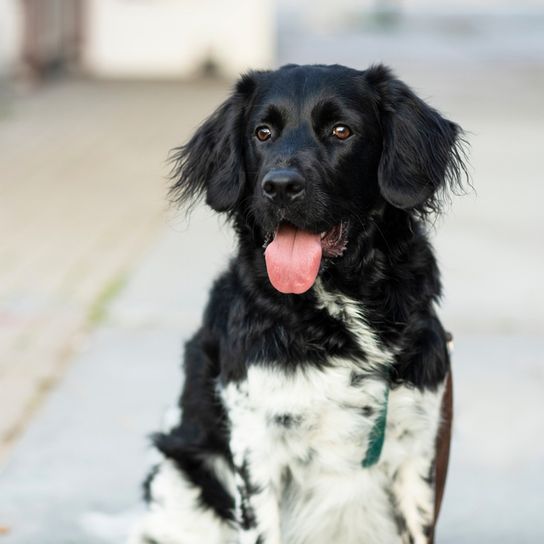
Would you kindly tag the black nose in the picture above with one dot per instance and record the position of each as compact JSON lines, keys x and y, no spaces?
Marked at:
{"x":283,"y":185}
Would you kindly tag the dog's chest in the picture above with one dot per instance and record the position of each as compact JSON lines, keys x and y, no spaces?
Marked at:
{"x":304,"y":435}
{"x":301,"y":437}
{"x":304,"y":418}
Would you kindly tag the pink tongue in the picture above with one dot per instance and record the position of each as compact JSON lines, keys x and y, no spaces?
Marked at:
{"x":293,"y":259}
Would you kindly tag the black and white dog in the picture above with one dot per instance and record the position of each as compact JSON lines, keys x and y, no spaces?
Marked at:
{"x":317,"y":399}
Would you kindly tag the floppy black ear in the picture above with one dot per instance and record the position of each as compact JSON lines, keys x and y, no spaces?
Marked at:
{"x":422,"y":151}
{"x":212,"y":161}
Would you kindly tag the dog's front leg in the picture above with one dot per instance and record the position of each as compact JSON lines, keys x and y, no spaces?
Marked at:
{"x":257,"y":469}
{"x":418,"y":480}
{"x":414,"y":501}
{"x":257,"y":507}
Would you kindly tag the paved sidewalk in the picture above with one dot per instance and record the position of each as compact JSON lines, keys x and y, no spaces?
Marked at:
{"x":75,"y":475}
{"x":82,"y":194}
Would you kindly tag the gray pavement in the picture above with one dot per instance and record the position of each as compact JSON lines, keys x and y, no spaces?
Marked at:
{"x":81,"y":197}
{"x":75,"y":475}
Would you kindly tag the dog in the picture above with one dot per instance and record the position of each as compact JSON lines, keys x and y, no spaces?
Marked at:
{"x":317,"y":403}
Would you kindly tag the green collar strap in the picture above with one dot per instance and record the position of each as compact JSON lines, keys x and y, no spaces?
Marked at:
{"x":377,"y":434}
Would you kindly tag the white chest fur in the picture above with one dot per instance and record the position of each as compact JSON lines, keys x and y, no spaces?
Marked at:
{"x":301,"y":437}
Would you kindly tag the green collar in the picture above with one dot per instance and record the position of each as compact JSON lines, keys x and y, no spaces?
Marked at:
{"x":377,"y":435}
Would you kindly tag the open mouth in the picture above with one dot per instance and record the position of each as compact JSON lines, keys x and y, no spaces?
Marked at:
{"x":293,"y":256}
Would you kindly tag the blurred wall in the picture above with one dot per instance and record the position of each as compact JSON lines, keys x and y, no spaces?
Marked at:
{"x":10,"y":34}
{"x":173,"y":38}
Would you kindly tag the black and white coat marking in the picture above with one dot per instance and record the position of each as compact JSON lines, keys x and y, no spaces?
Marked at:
{"x":282,"y":391}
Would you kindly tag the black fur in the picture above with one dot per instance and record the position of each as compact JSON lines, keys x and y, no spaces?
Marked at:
{"x":384,"y":181}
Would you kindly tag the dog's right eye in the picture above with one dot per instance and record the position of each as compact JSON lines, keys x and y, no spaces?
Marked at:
{"x":342,"y":132}
{"x":263,"y":133}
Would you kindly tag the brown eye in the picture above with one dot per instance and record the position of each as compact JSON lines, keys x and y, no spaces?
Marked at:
{"x":263,"y":133}
{"x":342,"y":132}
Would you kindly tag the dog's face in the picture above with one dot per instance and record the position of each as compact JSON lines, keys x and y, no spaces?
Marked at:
{"x":313,"y":144}
{"x":308,"y":153}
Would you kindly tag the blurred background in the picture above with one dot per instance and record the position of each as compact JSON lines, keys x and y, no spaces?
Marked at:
{"x":100,"y":282}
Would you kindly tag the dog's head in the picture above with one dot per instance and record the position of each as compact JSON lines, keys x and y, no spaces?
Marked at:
{"x":307,"y":154}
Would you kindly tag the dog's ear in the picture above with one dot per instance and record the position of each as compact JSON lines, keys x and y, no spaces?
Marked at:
{"x":212,"y":161}
{"x":423,"y":153}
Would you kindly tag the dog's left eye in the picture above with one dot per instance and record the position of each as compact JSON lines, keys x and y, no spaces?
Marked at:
{"x":342,"y":132}
{"x":263,"y":133}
